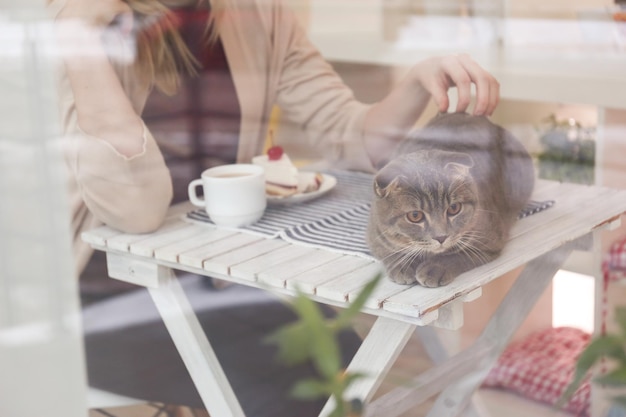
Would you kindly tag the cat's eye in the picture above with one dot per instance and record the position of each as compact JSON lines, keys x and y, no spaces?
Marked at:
{"x":454,"y":209}
{"x":415,"y":216}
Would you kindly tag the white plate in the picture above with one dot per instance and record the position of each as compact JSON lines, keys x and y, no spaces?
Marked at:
{"x":328,"y":183}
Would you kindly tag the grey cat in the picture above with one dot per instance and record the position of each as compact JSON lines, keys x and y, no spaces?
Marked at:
{"x":447,"y":200}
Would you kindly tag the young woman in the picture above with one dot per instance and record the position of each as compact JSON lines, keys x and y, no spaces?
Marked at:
{"x":118,"y":173}
{"x":116,"y":52}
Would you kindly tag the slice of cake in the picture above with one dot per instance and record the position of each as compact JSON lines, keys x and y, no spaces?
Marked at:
{"x":309,"y":182}
{"x":281,"y":176}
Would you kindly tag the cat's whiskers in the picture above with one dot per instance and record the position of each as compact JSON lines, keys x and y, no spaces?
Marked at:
{"x":473,"y":251}
{"x":478,"y":241}
{"x":477,"y":237}
{"x":393,"y":254}
{"x":409,"y":254}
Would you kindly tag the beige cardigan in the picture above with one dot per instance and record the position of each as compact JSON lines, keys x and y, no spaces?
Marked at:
{"x":272,"y":62}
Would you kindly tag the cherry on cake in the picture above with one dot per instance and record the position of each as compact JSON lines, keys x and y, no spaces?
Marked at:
{"x":282,"y":178}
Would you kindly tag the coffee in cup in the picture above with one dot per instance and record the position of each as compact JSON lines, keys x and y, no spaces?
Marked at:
{"x":234,"y":194}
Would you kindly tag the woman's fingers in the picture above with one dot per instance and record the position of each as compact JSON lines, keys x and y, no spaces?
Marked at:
{"x":439,"y":92}
{"x":487,"y":88}
{"x":437,"y":75}
{"x":460,"y":78}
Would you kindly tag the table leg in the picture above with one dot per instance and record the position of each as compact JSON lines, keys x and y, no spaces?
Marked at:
{"x":427,"y":384}
{"x":439,"y":353}
{"x":510,"y":314}
{"x":185,"y":330}
{"x":374,"y":358}
{"x":460,"y":376}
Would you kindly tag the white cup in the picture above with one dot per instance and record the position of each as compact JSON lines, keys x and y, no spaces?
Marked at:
{"x":234,"y":195}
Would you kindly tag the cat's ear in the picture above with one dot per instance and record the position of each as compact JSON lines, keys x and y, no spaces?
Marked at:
{"x":458,"y":162}
{"x":387,"y":180}
{"x":383,"y":191}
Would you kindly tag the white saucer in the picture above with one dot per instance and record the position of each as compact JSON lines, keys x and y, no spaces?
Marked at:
{"x":328,"y":183}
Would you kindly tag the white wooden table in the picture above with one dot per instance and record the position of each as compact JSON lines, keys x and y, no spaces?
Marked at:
{"x":542,"y":242}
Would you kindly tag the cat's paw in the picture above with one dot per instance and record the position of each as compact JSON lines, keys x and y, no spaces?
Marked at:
{"x":403,"y":279}
{"x":433,"y":275}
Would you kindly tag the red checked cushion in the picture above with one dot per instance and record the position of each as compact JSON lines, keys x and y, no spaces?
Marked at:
{"x":541,"y":366}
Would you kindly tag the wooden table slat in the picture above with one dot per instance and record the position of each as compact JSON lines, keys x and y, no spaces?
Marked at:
{"x":171,"y":251}
{"x":308,"y":281}
{"x":353,"y":281}
{"x":99,"y":235}
{"x":196,"y":257}
{"x":278,"y":275}
{"x":567,"y":203}
{"x":147,"y":247}
{"x":222,"y":263}
{"x":381,"y":293}
{"x":122,"y":242}
{"x":250,"y":269}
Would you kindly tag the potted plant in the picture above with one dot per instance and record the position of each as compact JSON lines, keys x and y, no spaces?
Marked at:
{"x":568,"y":151}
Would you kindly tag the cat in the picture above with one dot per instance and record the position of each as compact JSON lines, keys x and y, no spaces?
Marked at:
{"x":446,"y":201}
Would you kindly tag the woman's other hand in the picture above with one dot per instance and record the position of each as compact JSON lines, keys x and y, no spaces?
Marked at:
{"x":99,"y":14}
{"x":438,"y":74}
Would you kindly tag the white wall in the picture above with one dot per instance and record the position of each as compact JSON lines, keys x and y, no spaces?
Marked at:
{"x":41,"y":355}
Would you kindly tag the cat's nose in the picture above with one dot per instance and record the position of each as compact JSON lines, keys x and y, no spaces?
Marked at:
{"x":440,"y":239}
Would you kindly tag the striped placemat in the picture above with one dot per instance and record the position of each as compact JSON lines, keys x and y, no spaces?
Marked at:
{"x":336,"y":221}
{"x":352,"y":189}
{"x":345,"y":232}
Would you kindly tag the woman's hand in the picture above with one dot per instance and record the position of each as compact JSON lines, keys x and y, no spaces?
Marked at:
{"x":389,"y":120}
{"x":437,"y":75}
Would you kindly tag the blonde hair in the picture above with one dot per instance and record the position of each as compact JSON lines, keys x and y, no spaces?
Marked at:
{"x":161,"y":51}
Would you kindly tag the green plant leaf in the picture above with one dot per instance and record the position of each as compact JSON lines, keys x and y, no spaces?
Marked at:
{"x":615,"y":378}
{"x":293,"y":341}
{"x":339,"y":410}
{"x":344,"y":319}
{"x":609,"y":345}
{"x":604,"y":346}
{"x":310,"y":389}
{"x":308,"y":310}
{"x":326,"y":353}
{"x":324,"y":349}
